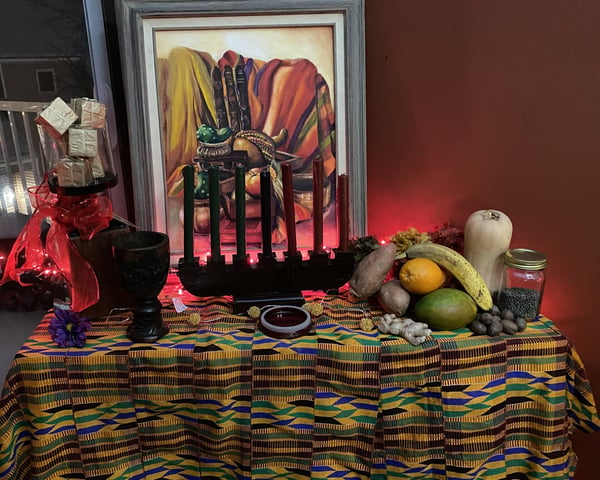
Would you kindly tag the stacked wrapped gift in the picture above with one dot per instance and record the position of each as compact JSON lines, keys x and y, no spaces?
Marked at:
{"x":76,"y":146}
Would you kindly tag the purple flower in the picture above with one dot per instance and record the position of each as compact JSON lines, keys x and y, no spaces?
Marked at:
{"x":68,"y":329}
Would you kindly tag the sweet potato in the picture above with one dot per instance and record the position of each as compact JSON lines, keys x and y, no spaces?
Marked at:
{"x":370,"y":273}
{"x":393,"y":298}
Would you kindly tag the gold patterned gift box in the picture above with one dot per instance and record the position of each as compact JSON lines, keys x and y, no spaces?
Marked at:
{"x":83,"y":142}
{"x":91,"y":113}
{"x":57,"y":117}
{"x":74,"y":172}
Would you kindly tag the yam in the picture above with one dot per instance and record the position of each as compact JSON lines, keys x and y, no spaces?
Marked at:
{"x":370,"y":273}
{"x":393,"y":298}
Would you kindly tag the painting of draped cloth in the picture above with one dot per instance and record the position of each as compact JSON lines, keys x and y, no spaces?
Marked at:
{"x":282,"y":93}
{"x":186,"y":101}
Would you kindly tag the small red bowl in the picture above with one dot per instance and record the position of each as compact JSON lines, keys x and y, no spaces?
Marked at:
{"x":285,"y":321}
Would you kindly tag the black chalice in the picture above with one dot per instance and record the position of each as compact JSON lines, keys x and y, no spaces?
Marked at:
{"x":143,"y":259}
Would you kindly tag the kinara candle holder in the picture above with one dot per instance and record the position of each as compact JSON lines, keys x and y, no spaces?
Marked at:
{"x":270,"y":280}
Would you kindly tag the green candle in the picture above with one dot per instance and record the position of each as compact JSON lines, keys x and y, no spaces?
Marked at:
{"x":240,"y":210}
{"x":188,"y":213}
{"x":215,"y":212}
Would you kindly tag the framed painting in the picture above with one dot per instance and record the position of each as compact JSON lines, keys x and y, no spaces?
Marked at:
{"x":252,"y":83}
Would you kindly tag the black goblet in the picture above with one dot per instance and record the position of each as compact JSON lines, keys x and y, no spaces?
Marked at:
{"x":143,"y":258}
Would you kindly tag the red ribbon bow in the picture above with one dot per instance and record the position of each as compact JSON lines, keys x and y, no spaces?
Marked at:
{"x":88,"y":214}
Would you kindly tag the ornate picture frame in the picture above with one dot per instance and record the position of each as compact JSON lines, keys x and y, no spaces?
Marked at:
{"x":145,"y":27}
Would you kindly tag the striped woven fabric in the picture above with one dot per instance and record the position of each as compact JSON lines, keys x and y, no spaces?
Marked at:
{"x":221,"y":400}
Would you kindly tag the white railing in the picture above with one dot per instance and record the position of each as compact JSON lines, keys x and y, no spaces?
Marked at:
{"x":21,"y":163}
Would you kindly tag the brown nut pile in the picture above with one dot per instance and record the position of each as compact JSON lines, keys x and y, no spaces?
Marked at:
{"x":497,"y":321}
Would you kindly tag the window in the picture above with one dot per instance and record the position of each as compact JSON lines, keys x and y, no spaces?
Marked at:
{"x":45,"y":79}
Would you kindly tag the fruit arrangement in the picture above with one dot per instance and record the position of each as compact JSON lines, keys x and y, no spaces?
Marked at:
{"x":209,"y":134}
{"x":213,"y":142}
{"x":436,"y":284}
{"x":459,"y":267}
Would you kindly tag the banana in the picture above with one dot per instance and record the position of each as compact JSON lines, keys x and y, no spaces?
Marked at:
{"x":458,"y":266}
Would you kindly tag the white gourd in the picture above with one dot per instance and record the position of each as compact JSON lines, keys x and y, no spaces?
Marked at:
{"x":487,"y":237}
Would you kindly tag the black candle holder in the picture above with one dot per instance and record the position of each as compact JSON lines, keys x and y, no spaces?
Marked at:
{"x":269,"y":281}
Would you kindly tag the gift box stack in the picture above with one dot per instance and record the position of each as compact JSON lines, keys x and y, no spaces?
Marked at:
{"x":75,"y":144}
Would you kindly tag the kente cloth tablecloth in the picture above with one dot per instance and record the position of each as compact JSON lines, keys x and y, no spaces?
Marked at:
{"x":221,"y":400}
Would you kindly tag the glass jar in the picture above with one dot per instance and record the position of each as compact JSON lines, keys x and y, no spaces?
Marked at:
{"x":524,"y":280}
{"x":76,"y":147}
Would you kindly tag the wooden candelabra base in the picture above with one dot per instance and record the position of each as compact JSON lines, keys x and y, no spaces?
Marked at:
{"x":269,"y":281}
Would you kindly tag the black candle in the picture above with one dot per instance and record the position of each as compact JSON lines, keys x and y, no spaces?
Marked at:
{"x":240,"y":210}
{"x":288,"y":205}
{"x":265,"y":211}
{"x":215,"y":212}
{"x":188,"y":213}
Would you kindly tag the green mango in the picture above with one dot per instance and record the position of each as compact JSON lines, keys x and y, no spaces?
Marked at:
{"x":223,"y":134}
{"x":446,"y":309}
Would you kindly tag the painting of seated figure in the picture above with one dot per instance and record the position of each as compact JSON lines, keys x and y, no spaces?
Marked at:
{"x":260,"y":97}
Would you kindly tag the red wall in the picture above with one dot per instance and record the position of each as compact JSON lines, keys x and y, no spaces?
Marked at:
{"x":494,"y":104}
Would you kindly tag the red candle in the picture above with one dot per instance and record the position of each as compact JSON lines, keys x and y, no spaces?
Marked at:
{"x":288,"y":205}
{"x":318,"y":205}
{"x":343,"y":212}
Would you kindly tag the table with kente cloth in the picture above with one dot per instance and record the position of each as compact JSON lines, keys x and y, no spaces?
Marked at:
{"x":221,"y":400}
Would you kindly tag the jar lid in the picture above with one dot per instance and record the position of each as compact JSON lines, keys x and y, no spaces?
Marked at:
{"x":525,"y":259}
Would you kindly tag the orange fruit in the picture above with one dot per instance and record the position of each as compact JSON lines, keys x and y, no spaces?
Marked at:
{"x":421,"y":276}
{"x":252,"y":182}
